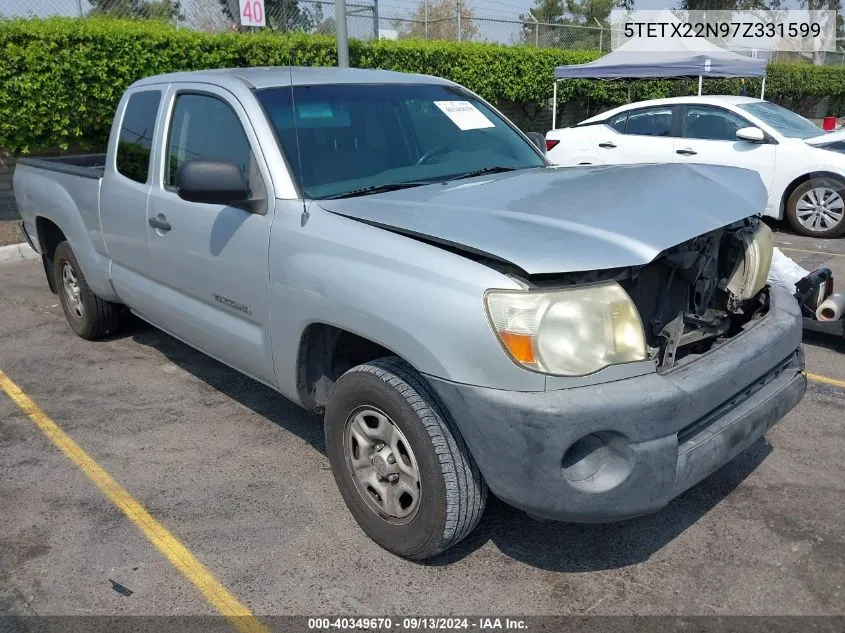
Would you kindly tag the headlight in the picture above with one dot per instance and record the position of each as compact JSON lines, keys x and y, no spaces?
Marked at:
{"x":750,"y":271}
{"x":571,"y":332}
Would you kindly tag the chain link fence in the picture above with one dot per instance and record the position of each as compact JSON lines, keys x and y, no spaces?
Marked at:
{"x":366,"y":19}
{"x":454,"y":20}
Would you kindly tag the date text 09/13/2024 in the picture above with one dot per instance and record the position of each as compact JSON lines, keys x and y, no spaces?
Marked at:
{"x":417,"y":624}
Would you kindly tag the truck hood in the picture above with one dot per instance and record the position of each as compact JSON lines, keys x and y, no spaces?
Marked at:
{"x":567,"y":219}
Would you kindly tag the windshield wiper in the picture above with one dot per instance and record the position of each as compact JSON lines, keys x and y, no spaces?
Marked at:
{"x":495,"y":169}
{"x":392,"y":186}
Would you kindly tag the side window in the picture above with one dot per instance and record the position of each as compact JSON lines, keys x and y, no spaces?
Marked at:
{"x":714,"y":124}
{"x":655,"y":121}
{"x":136,"y":135}
{"x":618,"y":122}
{"x":206,"y":127}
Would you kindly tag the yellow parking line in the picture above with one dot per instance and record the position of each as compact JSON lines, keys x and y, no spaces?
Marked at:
{"x":825,"y":380}
{"x":806,"y":250}
{"x":179,"y":555}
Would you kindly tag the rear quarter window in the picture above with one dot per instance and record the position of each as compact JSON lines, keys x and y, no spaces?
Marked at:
{"x":136,"y":135}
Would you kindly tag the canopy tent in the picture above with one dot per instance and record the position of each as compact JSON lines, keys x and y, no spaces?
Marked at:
{"x":661,"y":57}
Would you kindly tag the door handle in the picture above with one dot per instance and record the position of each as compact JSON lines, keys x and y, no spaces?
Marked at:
{"x":607,"y":145}
{"x":686,"y":152}
{"x":160,"y":222}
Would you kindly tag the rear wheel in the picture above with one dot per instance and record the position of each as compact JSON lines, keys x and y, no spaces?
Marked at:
{"x":88,"y":315}
{"x":817,"y":208}
{"x":399,"y":462}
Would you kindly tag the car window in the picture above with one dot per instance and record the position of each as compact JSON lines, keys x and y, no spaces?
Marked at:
{"x":618,"y":122}
{"x":136,"y":135}
{"x":656,"y":121}
{"x":340,"y":138}
{"x":204,"y":126}
{"x":711,"y":123}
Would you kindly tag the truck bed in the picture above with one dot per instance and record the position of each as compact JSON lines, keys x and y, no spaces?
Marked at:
{"x":84,"y":165}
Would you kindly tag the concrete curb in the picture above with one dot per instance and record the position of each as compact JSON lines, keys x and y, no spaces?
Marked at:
{"x":17,"y":253}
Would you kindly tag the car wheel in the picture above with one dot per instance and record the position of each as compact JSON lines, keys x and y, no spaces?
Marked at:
{"x":399,"y":462}
{"x":817,"y":208}
{"x":88,"y":315}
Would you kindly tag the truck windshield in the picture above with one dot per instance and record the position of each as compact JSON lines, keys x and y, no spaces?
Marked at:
{"x":356,"y":139}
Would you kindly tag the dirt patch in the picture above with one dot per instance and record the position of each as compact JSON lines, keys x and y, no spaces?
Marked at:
{"x":10,"y":232}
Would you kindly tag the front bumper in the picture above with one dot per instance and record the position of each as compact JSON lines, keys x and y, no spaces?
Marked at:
{"x":653,"y":436}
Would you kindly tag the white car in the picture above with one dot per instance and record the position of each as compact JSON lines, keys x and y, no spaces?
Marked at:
{"x":802,"y":166}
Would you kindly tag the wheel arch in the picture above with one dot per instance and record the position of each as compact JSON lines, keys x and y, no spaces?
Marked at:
{"x":796,"y":182}
{"x":325,"y":353}
{"x":49,"y":236}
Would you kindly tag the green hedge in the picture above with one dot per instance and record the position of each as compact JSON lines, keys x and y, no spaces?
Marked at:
{"x":61,"y":78}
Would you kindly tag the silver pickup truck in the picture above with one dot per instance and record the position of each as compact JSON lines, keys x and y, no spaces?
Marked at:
{"x":390,"y":252}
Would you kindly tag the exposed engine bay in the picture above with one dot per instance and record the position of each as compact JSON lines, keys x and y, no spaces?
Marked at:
{"x":697,"y":294}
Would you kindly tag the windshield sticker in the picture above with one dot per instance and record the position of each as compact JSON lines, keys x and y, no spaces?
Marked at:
{"x":465,"y":115}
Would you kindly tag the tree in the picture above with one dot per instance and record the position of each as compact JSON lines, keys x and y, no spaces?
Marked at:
{"x":170,"y":10}
{"x":442,"y":19}
{"x":281,"y":15}
{"x":573,"y":13}
{"x":323,"y":25}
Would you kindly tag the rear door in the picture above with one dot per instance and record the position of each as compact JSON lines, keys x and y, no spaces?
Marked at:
{"x":125,"y":189}
{"x":209,"y":262}
{"x":641,"y":135}
{"x":708,"y":135}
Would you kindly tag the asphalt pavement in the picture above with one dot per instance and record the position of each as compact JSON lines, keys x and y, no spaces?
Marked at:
{"x":239,"y":475}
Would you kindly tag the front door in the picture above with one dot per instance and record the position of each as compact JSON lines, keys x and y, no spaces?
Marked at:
{"x":209,"y":262}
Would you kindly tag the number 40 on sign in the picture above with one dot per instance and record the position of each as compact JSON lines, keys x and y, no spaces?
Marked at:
{"x":252,"y":13}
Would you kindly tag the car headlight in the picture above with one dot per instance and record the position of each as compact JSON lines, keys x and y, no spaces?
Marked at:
{"x":751,"y":271}
{"x":570,"y":332}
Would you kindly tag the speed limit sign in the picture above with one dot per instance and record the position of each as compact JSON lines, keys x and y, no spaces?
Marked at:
{"x":252,"y":13}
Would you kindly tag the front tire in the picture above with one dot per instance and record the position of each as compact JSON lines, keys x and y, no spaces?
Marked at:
{"x":400,"y":463}
{"x":88,"y":315}
{"x":817,"y":208}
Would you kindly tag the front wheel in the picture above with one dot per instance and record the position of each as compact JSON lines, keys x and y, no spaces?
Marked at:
{"x":399,"y":462}
{"x":88,"y":315}
{"x":817,"y":208}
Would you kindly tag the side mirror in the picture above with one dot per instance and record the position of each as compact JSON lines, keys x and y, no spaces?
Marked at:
{"x":752,"y":134}
{"x":538,"y":139}
{"x":211,"y":182}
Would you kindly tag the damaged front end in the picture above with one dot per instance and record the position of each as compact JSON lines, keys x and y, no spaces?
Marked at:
{"x":704,"y":291}
{"x":695,"y":295}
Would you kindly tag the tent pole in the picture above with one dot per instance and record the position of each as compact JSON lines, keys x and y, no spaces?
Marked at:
{"x":763,"y":87}
{"x":554,"y":106}
{"x":699,"y":85}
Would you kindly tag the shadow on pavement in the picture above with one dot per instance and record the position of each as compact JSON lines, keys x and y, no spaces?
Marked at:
{"x":564,"y":547}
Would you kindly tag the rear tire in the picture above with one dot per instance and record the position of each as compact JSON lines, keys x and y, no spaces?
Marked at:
{"x":816,"y":208}
{"x":385,"y":402}
{"x":88,"y":315}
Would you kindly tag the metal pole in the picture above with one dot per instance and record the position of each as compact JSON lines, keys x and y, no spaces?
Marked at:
{"x":458,"y":5}
{"x":700,"y":81}
{"x":763,"y":88}
{"x":601,"y":33}
{"x":554,"y":106}
{"x":425,"y":23}
{"x":340,"y":30}
{"x":375,"y":19}
{"x":79,"y":7}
